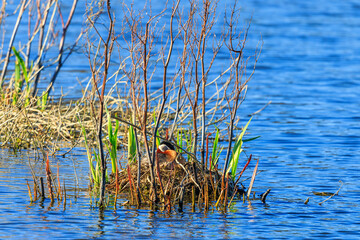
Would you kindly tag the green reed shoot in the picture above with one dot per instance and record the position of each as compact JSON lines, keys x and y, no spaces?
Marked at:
{"x":18,"y":81}
{"x":237,"y":151}
{"x":112,"y":135}
{"x":97,"y":175}
{"x":188,"y":138}
{"x":22,"y":64}
{"x":94,"y":173}
{"x":42,"y":101}
{"x":216,"y":150}
{"x":179,"y":140}
{"x":157,"y":132}
{"x":131,"y":145}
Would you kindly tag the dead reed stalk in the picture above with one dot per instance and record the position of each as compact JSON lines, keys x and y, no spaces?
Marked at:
{"x":252,"y":179}
{"x":29,"y":191}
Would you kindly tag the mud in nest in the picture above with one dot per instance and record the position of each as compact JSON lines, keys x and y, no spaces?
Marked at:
{"x":176,"y":184}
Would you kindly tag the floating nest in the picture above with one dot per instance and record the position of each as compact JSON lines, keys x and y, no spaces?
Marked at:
{"x":176,"y":183}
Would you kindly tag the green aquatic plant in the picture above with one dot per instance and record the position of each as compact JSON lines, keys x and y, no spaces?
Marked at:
{"x":112,"y":135}
{"x":234,"y":161}
{"x":216,"y":151}
{"x":42,"y":101}
{"x":131,"y":145}
{"x":94,"y":171}
{"x":179,"y":140}
{"x":188,"y":139}
{"x":157,"y":131}
{"x":19,"y":81}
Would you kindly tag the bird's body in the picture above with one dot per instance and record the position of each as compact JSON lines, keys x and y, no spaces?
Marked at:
{"x":166,"y":154}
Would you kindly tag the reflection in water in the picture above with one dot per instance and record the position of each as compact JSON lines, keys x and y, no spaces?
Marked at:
{"x":100,"y":225}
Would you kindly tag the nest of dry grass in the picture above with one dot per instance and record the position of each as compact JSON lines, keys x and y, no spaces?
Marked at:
{"x":175,"y":184}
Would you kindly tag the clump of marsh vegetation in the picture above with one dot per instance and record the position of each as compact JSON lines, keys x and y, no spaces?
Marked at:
{"x":156,"y":75}
{"x":178,"y":46}
{"x":28,"y":119}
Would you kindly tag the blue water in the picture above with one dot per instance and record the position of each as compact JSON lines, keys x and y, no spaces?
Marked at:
{"x":309,"y":69}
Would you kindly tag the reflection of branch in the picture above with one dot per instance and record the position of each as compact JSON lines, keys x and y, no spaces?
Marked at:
{"x":337,"y":192}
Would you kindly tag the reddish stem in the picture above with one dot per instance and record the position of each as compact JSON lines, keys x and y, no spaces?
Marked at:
{"x":207,"y":150}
